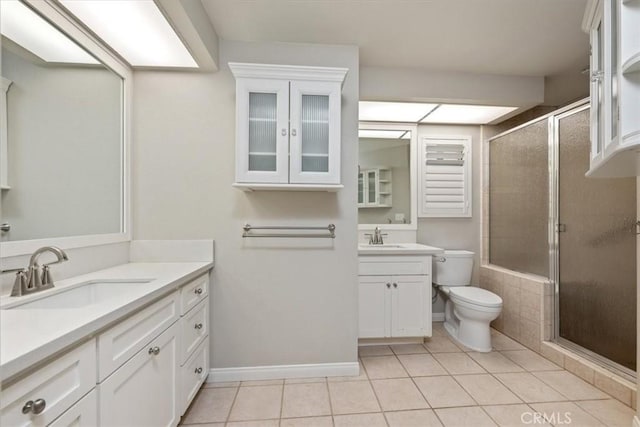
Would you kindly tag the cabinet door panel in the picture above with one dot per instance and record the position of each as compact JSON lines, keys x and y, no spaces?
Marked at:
{"x":82,"y":414}
{"x":411,"y":306}
{"x":262,"y":127}
{"x":374,"y":306}
{"x":315,"y":132}
{"x":143,"y":392}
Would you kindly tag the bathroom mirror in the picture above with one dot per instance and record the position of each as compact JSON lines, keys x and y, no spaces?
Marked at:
{"x":386,"y":176}
{"x":66,"y":133}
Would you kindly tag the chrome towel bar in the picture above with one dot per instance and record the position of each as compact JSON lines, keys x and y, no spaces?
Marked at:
{"x":330,"y":234}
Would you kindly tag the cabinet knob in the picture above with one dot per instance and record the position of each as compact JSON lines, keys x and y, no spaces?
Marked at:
{"x":154,"y":350}
{"x":198,"y":326}
{"x":395,"y":285}
{"x":388,"y":285}
{"x":293,"y":132}
{"x":198,"y":291}
{"x":284,"y":132}
{"x":36,"y":407}
{"x":198,"y":370}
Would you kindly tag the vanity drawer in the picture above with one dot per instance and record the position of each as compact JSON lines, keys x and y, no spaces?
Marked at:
{"x":193,"y":292}
{"x":394,"y":265}
{"x":195,"y":328}
{"x":59,"y":384}
{"x":122,"y":341}
{"x":194,"y":373}
{"x":82,"y":414}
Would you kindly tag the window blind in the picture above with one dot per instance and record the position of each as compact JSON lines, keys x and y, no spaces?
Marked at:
{"x":445,"y":177}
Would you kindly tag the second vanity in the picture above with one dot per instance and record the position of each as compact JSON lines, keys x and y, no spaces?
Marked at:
{"x":128,"y":345}
{"x":394,"y":290}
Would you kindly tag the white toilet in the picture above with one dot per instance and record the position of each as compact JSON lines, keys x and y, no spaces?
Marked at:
{"x":469,"y":309}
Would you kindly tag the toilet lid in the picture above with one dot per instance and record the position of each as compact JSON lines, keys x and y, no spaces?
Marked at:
{"x":474,"y":295}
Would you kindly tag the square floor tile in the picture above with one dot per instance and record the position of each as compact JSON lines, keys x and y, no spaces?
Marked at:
{"x":529,"y":388}
{"x":513,"y":415}
{"x":459,"y":417}
{"x":408,"y":349}
{"x":305,"y":380}
{"x":443,"y":392}
{"x":351,"y":397}
{"x":495,"y":362}
{"x":257,"y":403}
{"x":486,"y":390}
{"x":360,"y":420}
{"x":419,"y":418}
{"x":210,"y":405}
{"x":261,"y":382}
{"x":398,"y":394}
{"x":421,"y":365}
{"x":502,"y":342}
{"x":258,"y":423}
{"x":531,"y":361}
{"x":383,"y":367}
{"x":611,"y":412}
{"x":565,"y":413}
{"x":221,"y":384}
{"x":305,"y":400}
{"x":307,"y":422}
{"x":570,"y":385}
{"x":374,"y":350}
{"x":441,"y":345}
{"x":458,"y":363}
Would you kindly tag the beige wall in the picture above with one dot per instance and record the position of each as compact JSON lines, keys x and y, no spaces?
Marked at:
{"x":273,"y":302}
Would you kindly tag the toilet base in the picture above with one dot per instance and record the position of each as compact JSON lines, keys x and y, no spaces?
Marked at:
{"x":473,"y":334}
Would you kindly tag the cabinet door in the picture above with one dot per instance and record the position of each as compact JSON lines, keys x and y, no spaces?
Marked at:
{"x":315,"y":133}
{"x":361,"y":188}
{"x":372,"y":187}
{"x":143,"y":392}
{"x":83,"y":414}
{"x":262,"y":131}
{"x":597,"y":88}
{"x":411,"y":306}
{"x":374,"y":306}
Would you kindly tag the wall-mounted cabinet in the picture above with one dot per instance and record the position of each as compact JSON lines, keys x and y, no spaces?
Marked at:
{"x":375,"y":188}
{"x":614,"y":27}
{"x":287,"y":127}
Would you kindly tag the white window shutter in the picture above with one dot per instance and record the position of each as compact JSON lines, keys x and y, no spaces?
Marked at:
{"x":445,"y":177}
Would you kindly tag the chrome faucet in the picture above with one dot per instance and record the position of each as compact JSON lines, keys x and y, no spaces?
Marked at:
{"x":31,"y":279}
{"x":376,"y":237}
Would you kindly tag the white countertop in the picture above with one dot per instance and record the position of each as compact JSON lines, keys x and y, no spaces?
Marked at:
{"x":399,"y":249}
{"x":28,"y":336}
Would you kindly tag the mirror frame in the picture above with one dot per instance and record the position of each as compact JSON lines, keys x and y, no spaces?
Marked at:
{"x":413,"y":172}
{"x":57,"y":16}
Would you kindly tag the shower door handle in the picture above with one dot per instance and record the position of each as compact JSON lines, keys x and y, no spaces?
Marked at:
{"x":561,"y":228}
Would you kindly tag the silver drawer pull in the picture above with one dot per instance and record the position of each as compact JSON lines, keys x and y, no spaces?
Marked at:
{"x":154,"y":350}
{"x":198,"y":326}
{"x":388,"y":285}
{"x":198,"y":370}
{"x":395,"y":285}
{"x":198,"y":291}
{"x":36,"y":407}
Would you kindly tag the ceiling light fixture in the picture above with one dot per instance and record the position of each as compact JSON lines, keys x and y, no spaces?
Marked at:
{"x":136,"y":29}
{"x":467,"y":114}
{"x":29,"y":30}
{"x":410,"y":112}
{"x":381,"y":134}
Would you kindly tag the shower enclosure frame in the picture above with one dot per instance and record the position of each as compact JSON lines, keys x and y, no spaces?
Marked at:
{"x":553,"y":136}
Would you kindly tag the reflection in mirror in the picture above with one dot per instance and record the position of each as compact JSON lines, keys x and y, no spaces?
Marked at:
{"x":384,"y":179}
{"x":64,"y":133}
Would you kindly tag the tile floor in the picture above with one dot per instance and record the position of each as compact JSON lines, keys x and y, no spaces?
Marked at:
{"x":435,"y":384}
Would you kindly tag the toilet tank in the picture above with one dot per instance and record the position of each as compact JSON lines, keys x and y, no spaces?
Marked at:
{"x":454,"y":268}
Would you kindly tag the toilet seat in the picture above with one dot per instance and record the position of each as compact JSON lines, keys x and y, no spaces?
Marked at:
{"x":475,"y":296}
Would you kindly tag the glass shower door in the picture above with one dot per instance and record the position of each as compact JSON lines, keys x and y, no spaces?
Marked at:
{"x":596,"y":265}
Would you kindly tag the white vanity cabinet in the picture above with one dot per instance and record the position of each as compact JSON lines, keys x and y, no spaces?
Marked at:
{"x":394,"y":296}
{"x":614,"y":27}
{"x":287,"y":127}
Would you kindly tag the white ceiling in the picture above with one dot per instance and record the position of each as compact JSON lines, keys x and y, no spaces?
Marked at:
{"x":508,"y":37}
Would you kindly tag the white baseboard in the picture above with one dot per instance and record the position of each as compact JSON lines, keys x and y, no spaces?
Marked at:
{"x":437,"y":317}
{"x":345,"y":369}
{"x":636,"y":421}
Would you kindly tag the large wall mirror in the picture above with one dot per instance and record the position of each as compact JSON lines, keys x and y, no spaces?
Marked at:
{"x":64,"y":155}
{"x":387,"y":176}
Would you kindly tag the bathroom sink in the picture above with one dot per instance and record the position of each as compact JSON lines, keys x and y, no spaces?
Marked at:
{"x":386,"y":245}
{"x":398,"y":249}
{"x":82,"y":295}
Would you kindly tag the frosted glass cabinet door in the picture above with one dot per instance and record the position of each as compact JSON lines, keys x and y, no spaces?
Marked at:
{"x":315,"y":132}
{"x":263,"y":131}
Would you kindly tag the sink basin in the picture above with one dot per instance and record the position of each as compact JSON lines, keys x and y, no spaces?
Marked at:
{"x":82,"y":295}
{"x":389,"y":245}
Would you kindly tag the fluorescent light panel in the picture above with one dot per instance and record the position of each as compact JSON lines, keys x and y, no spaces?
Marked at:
{"x":466,"y":114}
{"x":29,"y":30}
{"x":136,"y":29}
{"x":383,"y":134}
{"x":393,"y":111}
